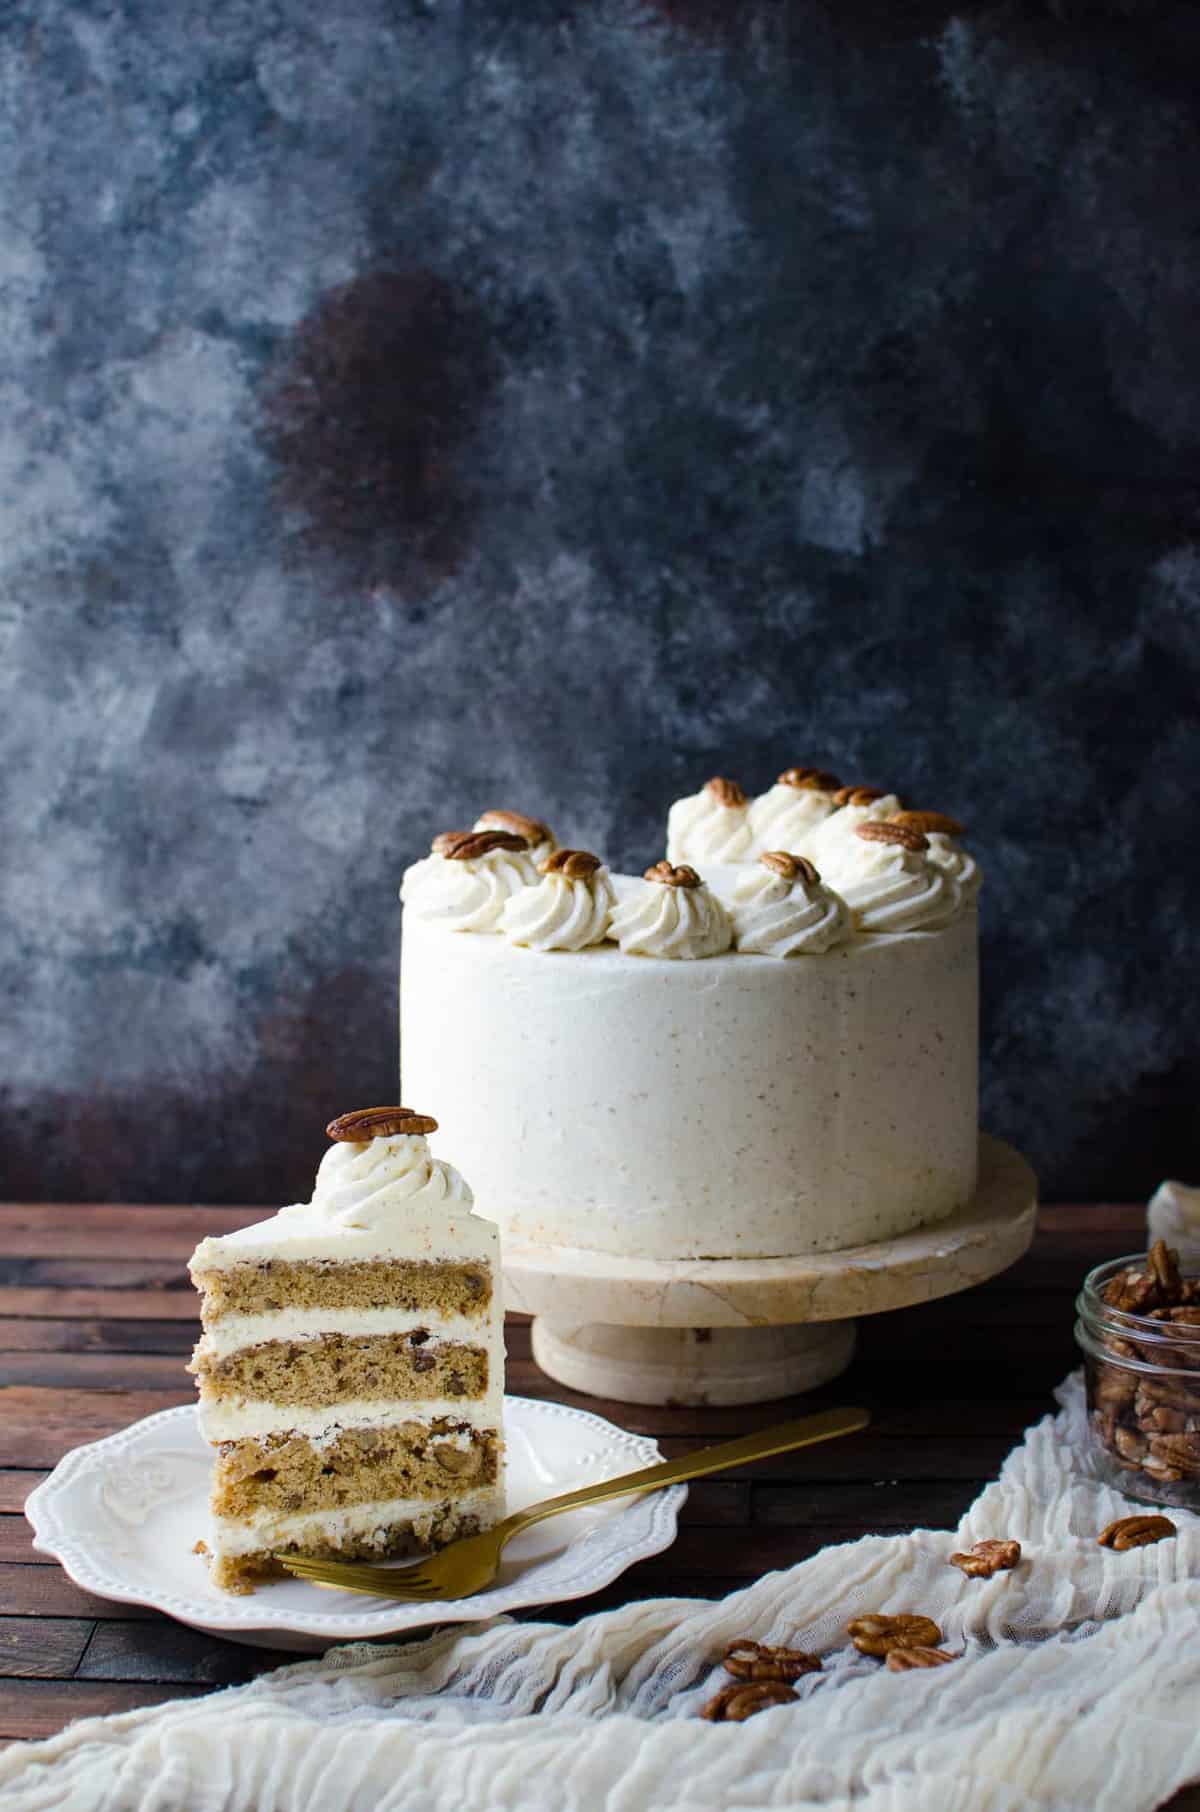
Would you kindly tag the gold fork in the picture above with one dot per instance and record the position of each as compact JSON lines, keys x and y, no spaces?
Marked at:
{"x":466,"y":1566}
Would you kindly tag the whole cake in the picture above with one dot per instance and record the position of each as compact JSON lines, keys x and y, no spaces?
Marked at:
{"x":765,"y":1046}
{"x":351,"y":1368}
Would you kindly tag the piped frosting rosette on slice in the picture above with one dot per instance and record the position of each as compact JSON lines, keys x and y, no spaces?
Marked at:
{"x":831,"y":845}
{"x":712,"y":825}
{"x":378,"y":1170}
{"x":569,"y":909}
{"x":672,"y":914}
{"x":540,"y":838}
{"x":942,"y":834}
{"x":891,"y":885}
{"x":466,"y":881}
{"x":787,"y":814}
{"x":782,"y":908}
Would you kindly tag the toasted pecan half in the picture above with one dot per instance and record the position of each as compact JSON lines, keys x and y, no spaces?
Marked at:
{"x":813,"y":780}
{"x":367,"y":1123}
{"x":858,"y":795}
{"x":468,"y":846}
{"x":667,"y":876}
{"x":886,"y":830}
{"x":726,"y":792}
{"x":532,"y":829}
{"x":575,"y":864}
{"x":789,"y":867}
{"x":930,"y":821}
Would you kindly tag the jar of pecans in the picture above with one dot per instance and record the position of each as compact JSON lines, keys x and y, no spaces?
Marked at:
{"x":1139,"y":1328}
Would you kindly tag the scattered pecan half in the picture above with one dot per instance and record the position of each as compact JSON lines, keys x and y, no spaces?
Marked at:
{"x":378,"y":1123}
{"x":1135,"y":1532}
{"x":886,"y":830}
{"x":747,"y":1660}
{"x":667,"y":876}
{"x":857,"y":795}
{"x":726,"y":792}
{"x":576,"y":864}
{"x":735,"y":1703}
{"x":814,"y":780}
{"x":879,"y":1634}
{"x":790,"y":868}
{"x":532,"y":829}
{"x":468,"y":846}
{"x":930,"y":821}
{"x":988,"y":1557}
{"x":901,"y":1660}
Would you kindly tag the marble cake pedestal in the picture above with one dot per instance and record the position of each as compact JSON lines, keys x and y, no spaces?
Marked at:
{"x":713,"y":1331}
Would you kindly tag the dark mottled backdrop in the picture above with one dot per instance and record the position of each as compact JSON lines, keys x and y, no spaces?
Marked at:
{"x":406,"y":409}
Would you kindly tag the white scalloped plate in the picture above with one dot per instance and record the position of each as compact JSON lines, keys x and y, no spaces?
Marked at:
{"x":123,"y":1515}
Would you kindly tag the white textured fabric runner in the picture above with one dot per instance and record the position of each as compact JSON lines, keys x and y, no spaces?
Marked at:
{"x":1080,"y":1688}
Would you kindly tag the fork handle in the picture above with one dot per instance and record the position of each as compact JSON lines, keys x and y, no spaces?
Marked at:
{"x":781,"y":1438}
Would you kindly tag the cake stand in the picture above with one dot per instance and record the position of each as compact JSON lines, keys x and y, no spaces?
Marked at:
{"x":713,"y":1331}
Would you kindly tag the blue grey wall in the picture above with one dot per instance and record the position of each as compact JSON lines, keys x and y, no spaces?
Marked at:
{"x":406,"y":409}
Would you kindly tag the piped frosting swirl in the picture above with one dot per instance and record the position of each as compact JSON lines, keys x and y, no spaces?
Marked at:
{"x":889,"y":883}
{"x":789,"y":812}
{"x":673,"y":914}
{"x":369,"y":1186}
{"x":540,"y":838}
{"x":569,"y":909}
{"x":468,"y":879}
{"x":712,"y":825}
{"x":782,"y":908}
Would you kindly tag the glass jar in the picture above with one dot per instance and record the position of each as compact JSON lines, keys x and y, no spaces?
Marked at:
{"x":1141,"y":1350}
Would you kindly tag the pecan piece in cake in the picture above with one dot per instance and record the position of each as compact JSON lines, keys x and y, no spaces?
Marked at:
{"x":734,"y":1704}
{"x":747,"y":1660}
{"x":368,"y":1123}
{"x":672,"y":876}
{"x":987,"y":1558}
{"x":930,"y":821}
{"x":726,"y":792}
{"x":1135,"y":1532}
{"x":576,"y":864}
{"x":813,"y":780}
{"x":886,"y":830}
{"x":789,"y":867}
{"x":879,"y":1634}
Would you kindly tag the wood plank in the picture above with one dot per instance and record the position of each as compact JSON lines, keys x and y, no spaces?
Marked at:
{"x":16,"y":1543}
{"x":39,"y":1426}
{"x":876,"y":1504}
{"x":15,"y":1488}
{"x":129,"y":1230}
{"x":45,"y":1591}
{"x":49,"y":1649}
{"x":104,"y":1371}
{"x":97,"y":1272}
{"x":32,"y":1335}
{"x":172,"y":1652}
{"x":85,"y":1305}
{"x":31,"y":1709}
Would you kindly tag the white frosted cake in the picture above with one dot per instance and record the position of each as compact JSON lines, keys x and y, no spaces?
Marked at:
{"x":765,"y":1046}
{"x":351,"y":1368}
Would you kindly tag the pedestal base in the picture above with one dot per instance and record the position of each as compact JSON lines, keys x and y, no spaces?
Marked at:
{"x":747,"y":1330}
{"x":693,"y":1365}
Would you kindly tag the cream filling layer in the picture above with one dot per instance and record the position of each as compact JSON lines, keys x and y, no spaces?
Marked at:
{"x":268,"y":1529}
{"x":232,"y":1421}
{"x":232,"y":1332}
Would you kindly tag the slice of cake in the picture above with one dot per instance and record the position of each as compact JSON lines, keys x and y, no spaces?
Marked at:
{"x":351,"y":1369}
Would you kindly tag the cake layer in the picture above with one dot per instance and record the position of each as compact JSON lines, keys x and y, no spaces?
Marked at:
{"x":286,"y":1473}
{"x":222,"y":1421}
{"x":335,"y":1366}
{"x":236,"y":1285}
{"x":243,"y":1554}
{"x":741,"y":1106}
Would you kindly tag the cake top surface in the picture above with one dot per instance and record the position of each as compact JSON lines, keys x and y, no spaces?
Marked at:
{"x":377,"y":1197}
{"x":796,"y":870}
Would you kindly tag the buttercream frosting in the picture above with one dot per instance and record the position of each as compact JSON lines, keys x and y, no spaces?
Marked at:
{"x":893,"y":886}
{"x":467,"y":895}
{"x":563,"y":912}
{"x":833,"y":846}
{"x":682,"y":922}
{"x":712,"y":825}
{"x":788,"y":813}
{"x":948,"y":853}
{"x":774,"y":915}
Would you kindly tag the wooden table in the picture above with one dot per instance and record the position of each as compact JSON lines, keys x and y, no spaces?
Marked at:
{"x":97,"y":1319}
